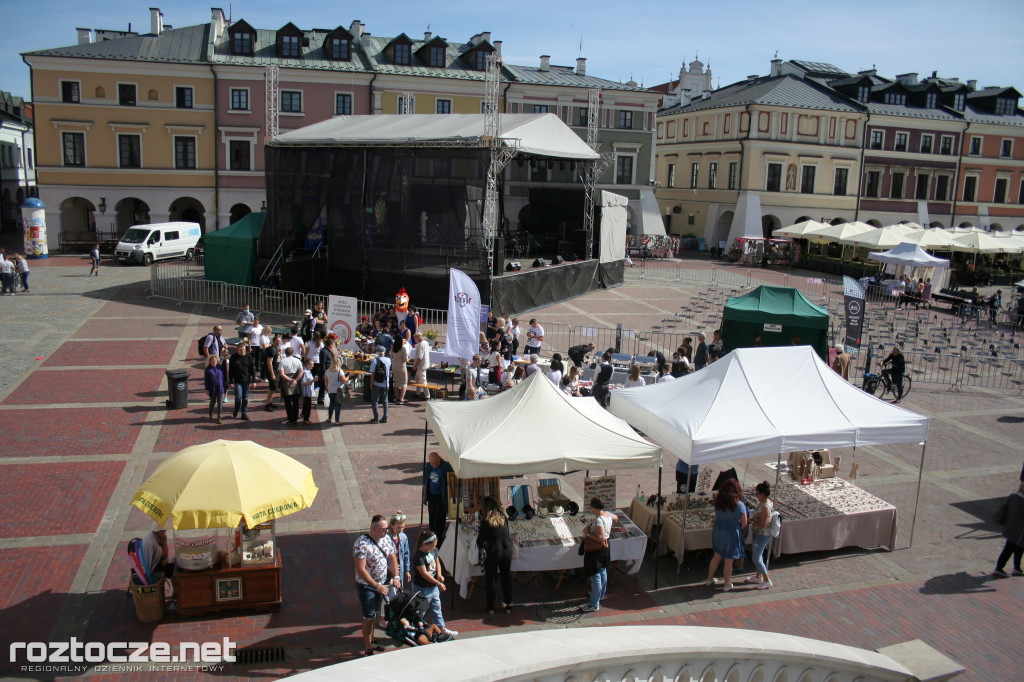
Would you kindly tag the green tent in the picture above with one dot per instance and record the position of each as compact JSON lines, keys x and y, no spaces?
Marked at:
{"x":229,"y":255}
{"x":778,"y":314}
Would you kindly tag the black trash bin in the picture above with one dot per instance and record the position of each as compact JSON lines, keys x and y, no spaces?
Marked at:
{"x":177,"y":389}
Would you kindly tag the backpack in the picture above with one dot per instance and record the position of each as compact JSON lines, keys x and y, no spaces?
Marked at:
{"x":775,"y":524}
{"x":201,"y":344}
{"x":380,"y":372}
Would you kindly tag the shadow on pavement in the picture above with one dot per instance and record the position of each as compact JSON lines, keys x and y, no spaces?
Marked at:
{"x":957,"y":583}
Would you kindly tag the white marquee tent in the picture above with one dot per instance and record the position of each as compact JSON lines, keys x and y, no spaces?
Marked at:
{"x":911,"y":255}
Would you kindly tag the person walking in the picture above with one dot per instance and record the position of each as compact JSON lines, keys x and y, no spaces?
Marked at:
{"x":22,"y":265}
{"x":307,"y":381}
{"x":420,"y":365}
{"x":271,"y":364}
{"x":6,"y":276}
{"x":380,"y":377}
{"x":336,"y":381}
{"x":375,"y":558}
{"x":242,"y":372}
{"x":213,"y":379}
{"x":596,"y":554}
{"x":1013,"y":531}
{"x":428,"y":580}
{"x":399,"y":368}
{"x":496,"y":541}
{"x":761,"y":531}
{"x":396,"y":531}
{"x":95,"y":256}
{"x":841,"y":365}
{"x":288,"y":384}
{"x":727,"y":532}
{"x":435,"y":493}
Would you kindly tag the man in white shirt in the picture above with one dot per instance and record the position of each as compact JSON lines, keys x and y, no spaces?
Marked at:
{"x":288,"y":384}
{"x":245,"y":320}
{"x":295,"y":341}
{"x":7,"y":275}
{"x":256,"y":343}
{"x":420,"y":364}
{"x":534,"y":337}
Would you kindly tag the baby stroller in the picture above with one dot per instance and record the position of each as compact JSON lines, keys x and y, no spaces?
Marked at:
{"x":405,"y":616}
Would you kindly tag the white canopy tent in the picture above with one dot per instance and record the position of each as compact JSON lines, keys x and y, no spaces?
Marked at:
{"x":913,"y":256}
{"x":758,"y":402}
{"x":541,"y":134}
{"x":653,"y":223}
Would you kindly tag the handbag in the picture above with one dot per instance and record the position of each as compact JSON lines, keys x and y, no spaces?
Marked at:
{"x":1001,"y":513}
{"x":590,"y":544}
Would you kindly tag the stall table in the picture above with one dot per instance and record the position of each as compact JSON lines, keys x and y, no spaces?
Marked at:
{"x":225,"y":587}
{"x":547,"y":544}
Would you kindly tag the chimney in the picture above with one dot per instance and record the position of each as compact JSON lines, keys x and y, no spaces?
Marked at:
{"x":219,"y":23}
{"x":427,"y":35}
{"x":752,"y":77}
{"x":156,"y":21}
{"x":497,"y":48}
{"x":776,"y":67}
{"x":581,"y":66}
{"x":84,"y":36}
{"x":486,"y":36}
{"x":972,"y":85}
{"x":356,"y":29}
{"x":545,"y":62}
{"x":907,"y":79}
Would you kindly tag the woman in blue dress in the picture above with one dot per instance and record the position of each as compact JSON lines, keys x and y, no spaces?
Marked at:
{"x":727,"y":534}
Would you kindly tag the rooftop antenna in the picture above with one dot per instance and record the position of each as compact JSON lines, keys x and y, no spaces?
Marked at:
{"x":580,"y":53}
{"x":776,"y":55}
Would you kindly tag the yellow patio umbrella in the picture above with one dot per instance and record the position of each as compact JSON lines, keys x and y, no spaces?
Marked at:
{"x":216,"y":485}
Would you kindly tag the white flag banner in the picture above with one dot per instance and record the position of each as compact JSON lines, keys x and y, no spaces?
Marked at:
{"x":462,"y":340}
{"x":341,"y":319}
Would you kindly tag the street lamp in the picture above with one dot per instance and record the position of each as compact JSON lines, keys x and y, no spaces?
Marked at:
{"x":103,"y":205}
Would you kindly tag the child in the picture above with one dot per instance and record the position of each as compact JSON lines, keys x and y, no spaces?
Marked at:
{"x":95,"y":256}
{"x":421,"y":633}
{"x":214,"y":381}
{"x":307,"y":382}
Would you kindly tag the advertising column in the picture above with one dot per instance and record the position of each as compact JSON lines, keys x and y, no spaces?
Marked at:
{"x":33,"y":215}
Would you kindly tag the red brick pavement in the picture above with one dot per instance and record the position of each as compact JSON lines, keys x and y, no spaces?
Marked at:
{"x":192,"y":426}
{"x":55,"y":499}
{"x":70,"y":432}
{"x":88,"y":386}
{"x":141,"y":328}
{"x":93,"y":354}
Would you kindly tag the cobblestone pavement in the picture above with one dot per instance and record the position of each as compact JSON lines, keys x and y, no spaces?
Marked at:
{"x":82,"y":393}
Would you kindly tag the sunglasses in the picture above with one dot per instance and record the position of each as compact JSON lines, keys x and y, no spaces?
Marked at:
{"x":398,"y":518}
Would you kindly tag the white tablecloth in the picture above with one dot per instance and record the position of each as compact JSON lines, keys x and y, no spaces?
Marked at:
{"x":628,"y":543}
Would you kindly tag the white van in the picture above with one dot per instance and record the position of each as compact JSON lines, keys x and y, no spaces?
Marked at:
{"x":147,"y":243}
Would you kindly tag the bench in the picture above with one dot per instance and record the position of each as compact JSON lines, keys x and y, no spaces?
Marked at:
{"x":435,"y":391}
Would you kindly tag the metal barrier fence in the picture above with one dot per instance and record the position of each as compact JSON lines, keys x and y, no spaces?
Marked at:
{"x":726,"y":276}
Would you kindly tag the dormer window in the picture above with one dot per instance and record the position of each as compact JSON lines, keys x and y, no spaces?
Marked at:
{"x":289,"y":41}
{"x":959,"y":101}
{"x":289,"y":46}
{"x":402,"y":54}
{"x":1006,"y":106}
{"x":481,"y":60}
{"x":437,"y":55}
{"x":339,"y":48}
{"x":931,"y":99}
{"x":863,"y":93}
{"x":243,"y":38}
{"x":895,"y":98}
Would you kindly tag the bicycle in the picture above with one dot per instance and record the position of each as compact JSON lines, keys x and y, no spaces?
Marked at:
{"x":873,"y":381}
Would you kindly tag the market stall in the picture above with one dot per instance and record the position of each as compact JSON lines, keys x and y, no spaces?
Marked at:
{"x":236,"y":485}
{"x":776,"y":314}
{"x":758,"y":402}
{"x":568,"y":434}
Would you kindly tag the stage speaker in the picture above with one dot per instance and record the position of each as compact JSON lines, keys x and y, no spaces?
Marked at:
{"x":558,"y":260}
{"x":513,"y":266}
{"x":539,"y":263}
{"x":499,"y":255}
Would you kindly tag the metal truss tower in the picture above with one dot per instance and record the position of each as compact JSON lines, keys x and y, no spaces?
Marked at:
{"x":501,"y":153}
{"x":405,"y":104}
{"x":273,"y":100}
{"x":590,"y":168}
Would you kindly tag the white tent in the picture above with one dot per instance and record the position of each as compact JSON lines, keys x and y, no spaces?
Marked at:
{"x":479,"y":438}
{"x":911,"y":255}
{"x":613,"y":226}
{"x":541,"y":134}
{"x":653,"y":223}
{"x":763,"y":401}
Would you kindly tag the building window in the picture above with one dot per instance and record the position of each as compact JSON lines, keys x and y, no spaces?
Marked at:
{"x":922,"y":187}
{"x":241,"y":43}
{"x":999,"y":195}
{"x":184,"y":152}
{"x":970,"y":187}
{"x":444,"y":106}
{"x":807,"y":180}
{"x":1006,"y":149}
{"x":733,"y":168}
{"x":941,"y":187}
{"x":1006,"y":106}
{"x":129,"y":151}
{"x":863,"y":93}
{"x":402,"y":54}
{"x":694,"y":175}
{"x":401,"y":105}
{"x":895,"y":98}
{"x":343,"y":104}
{"x":877,"y":137}
{"x":873,"y":182}
{"x":946,"y":145}
{"x":239,"y":99}
{"x":975,"y":146}
{"x":901,"y":142}
{"x":291,"y":101}
{"x":840,"y":182}
{"x":289,"y":46}
{"x":713,"y":175}
{"x":340,"y":49}
{"x":584,"y":115}
{"x":540,"y":108}
{"x":436,"y":55}
{"x":481,"y":60}
{"x":1020,"y":192}
{"x":70,"y":92}
{"x":896,"y":186}
{"x":671,"y":182}
{"x":126,"y":94}
{"x":626,"y":119}
{"x":624,"y":170}
{"x":930,"y":100}
{"x":183,"y":98}
{"x":926,"y":144}
{"x":959,"y":100}
{"x":74,"y":149}
{"x":774,"y":181}
{"x":239,"y":155}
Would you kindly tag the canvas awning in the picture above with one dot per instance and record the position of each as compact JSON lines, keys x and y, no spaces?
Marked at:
{"x":758,"y":402}
{"x":479,"y":438}
{"x":540,"y":134}
{"x":908,"y":254}
{"x":777,"y":314}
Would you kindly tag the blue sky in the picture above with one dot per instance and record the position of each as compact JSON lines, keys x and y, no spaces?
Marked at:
{"x":646,"y":41}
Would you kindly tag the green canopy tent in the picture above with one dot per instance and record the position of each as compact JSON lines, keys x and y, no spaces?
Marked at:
{"x":229,"y":255}
{"x":777,"y":314}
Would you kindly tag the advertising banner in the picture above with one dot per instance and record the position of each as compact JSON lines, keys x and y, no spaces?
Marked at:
{"x":341,"y":320}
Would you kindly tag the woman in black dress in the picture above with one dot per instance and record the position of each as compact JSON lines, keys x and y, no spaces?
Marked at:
{"x":494,"y":539}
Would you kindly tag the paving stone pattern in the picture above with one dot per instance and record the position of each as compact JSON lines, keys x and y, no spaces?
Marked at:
{"x":86,"y":423}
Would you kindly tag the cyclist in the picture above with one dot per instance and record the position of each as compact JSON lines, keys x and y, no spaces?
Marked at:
{"x":894,"y":374}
